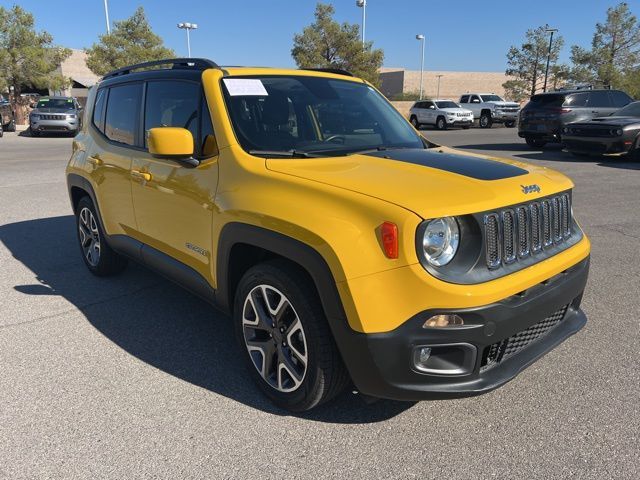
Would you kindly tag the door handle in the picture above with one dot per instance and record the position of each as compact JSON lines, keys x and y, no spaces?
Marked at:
{"x":141,"y":175}
{"x":97,"y":161}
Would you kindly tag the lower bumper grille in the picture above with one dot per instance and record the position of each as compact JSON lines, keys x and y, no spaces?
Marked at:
{"x":494,"y":354}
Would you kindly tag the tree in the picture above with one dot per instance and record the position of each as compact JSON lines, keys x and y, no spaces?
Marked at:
{"x":615,"y":51}
{"x":328,"y":44}
{"x":527,"y":63}
{"x":27,"y":58}
{"x":131,"y":41}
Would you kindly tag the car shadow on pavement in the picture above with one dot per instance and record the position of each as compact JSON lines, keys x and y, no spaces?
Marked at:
{"x":506,"y":147}
{"x":558,"y":155}
{"x":158,"y":322}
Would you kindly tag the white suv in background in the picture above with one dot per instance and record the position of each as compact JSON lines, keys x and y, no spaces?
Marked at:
{"x":441,"y":113}
{"x":490,"y":108}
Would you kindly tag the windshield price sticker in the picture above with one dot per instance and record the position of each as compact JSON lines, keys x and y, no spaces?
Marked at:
{"x":242,"y":87}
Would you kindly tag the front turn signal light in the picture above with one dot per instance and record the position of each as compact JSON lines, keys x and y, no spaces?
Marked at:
{"x":389,"y":234}
{"x":442,"y":321}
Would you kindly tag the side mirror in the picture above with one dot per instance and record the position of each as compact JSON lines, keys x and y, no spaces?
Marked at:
{"x":432,"y":107}
{"x":173,"y":143}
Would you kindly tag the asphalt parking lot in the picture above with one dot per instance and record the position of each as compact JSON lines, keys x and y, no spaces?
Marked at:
{"x":132,"y":377}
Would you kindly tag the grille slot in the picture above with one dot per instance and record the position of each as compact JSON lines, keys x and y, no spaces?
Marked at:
{"x":492,"y":240}
{"x":498,"y":352}
{"x":518,"y":232}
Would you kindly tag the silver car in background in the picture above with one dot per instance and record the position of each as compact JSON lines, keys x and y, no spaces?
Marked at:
{"x":55,"y":114}
{"x":440,"y":113}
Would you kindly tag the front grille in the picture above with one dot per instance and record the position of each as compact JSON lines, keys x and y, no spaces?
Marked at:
{"x":498,"y":352}
{"x":53,"y":117}
{"x":525,"y":230}
{"x":587,"y":131}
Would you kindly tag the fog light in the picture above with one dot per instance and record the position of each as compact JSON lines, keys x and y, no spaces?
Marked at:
{"x":423,"y":354}
{"x":440,"y":321}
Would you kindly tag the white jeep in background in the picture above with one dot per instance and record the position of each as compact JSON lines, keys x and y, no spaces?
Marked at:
{"x":440,"y":113}
{"x":489,"y":108}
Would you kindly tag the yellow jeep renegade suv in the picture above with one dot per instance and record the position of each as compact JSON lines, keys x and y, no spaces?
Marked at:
{"x":345,"y":246}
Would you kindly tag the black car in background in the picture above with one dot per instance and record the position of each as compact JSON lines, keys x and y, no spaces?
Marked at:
{"x":542,"y":119}
{"x":616,"y":135}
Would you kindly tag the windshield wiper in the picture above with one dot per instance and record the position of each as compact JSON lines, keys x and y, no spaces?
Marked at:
{"x":281,"y":153}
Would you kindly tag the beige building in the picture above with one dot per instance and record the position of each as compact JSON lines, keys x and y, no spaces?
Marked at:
{"x":395,"y":81}
{"x":75,"y":68}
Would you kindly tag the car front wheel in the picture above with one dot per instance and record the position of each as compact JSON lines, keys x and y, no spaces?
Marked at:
{"x":535,"y":142}
{"x":441,"y":123}
{"x":98,"y":256}
{"x":285,"y":338}
{"x":485,"y":120}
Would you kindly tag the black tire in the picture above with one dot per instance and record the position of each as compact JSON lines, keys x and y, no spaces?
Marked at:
{"x":415,"y":123}
{"x":11,"y":126}
{"x":441,"y":123}
{"x":324,"y":374}
{"x":33,"y":133}
{"x":509,"y":124}
{"x":1,"y":131}
{"x":104,"y":260}
{"x":535,"y":142}
{"x":485,"y":120}
{"x":634,"y":154}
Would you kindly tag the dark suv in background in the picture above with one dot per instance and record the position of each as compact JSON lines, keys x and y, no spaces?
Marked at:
{"x":542,"y":119}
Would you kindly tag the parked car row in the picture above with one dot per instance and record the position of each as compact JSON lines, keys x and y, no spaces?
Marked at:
{"x":486,"y":108}
{"x":599,"y":121}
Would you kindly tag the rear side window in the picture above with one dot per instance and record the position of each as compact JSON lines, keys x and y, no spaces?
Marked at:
{"x":599,"y":99}
{"x":172,"y":104}
{"x":548,"y":100}
{"x":619,"y":99}
{"x":577,"y":100}
{"x":98,"y":110}
{"x":123,"y":112}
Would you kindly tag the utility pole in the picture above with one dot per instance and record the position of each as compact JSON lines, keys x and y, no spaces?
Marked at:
{"x":420,"y":38}
{"x":188,"y":27}
{"x":546,"y":73}
{"x":363,"y":5}
{"x":106,"y":14}
{"x":439,"y":77}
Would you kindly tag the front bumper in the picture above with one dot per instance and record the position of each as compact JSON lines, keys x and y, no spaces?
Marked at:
{"x":504,"y":116}
{"x":68,"y":125}
{"x":599,"y":145}
{"x":382,"y":364}
{"x":460,"y":122}
{"x":543,"y":130}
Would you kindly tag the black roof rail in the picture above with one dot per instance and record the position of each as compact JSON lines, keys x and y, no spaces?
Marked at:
{"x":185,"y":63}
{"x":337,"y":71}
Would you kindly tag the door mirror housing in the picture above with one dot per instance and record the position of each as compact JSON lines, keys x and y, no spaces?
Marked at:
{"x":173,"y":143}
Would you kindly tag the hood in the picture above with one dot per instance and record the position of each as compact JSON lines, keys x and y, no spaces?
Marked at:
{"x":614,"y":121}
{"x":430,"y":182}
{"x":506,"y":104}
{"x":456,"y":110}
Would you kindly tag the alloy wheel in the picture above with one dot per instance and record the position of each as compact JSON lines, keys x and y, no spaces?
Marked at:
{"x":275,"y":338}
{"x":89,"y":236}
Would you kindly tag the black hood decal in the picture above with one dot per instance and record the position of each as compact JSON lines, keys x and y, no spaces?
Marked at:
{"x":474,"y":167}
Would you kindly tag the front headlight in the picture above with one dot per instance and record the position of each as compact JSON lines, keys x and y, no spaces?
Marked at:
{"x":440,"y":241}
{"x":71,"y":115}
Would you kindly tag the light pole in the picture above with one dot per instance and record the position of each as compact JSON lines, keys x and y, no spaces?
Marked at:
{"x":546,"y":73}
{"x":420,"y":38}
{"x":106,"y":14}
{"x":188,"y":26}
{"x":363,"y":5}
{"x":439,"y":77}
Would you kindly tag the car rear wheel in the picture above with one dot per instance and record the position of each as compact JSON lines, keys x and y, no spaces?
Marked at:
{"x":415,"y":123}
{"x":11,"y":126}
{"x":509,"y":124}
{"x":98,"y":256}
{"x":485,"y":120}
{"x":441,"y":123}
{"x":535,"y":142}
{"x":285,"y":338}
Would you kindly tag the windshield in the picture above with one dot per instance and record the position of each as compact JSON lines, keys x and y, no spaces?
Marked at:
{"x":313,"y":115}
{"x":62,"y":103}
{"x":491,"y":98}
{"x":447,"y":104}
{"x":631,"y":110}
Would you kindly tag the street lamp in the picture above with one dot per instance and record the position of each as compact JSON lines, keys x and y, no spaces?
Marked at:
{"x":106,"y":14}
{"x":421,"y":39}
{"x":439,"y":77}
{"x":363,"y":5}
{"x":546,"y":73}
{"x":188,"y":26}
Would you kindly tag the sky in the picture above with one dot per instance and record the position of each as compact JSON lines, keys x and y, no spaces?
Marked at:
{"x":461,"y":35}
